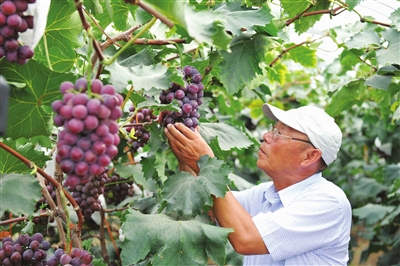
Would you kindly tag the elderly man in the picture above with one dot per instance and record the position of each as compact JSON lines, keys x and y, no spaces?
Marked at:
{"x":298,"y":218}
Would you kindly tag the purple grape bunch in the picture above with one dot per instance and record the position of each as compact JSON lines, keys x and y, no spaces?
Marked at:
{"x":77,"y":257}
{"x":89,"y":140}
{"x":142,"y":134}
{"x":25,"y":250}
{"x":189,"y":98}
{"x":117,"y":189}
{"x":12,"y":22}
{"x":87,"y":195}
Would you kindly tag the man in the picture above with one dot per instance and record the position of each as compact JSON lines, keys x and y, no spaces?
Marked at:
{"x":299,"y":218}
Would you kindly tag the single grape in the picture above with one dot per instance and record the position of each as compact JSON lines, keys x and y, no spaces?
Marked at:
{"x":14,"y":21}
{"x":8,"y":7}
{"x":65,"y":259}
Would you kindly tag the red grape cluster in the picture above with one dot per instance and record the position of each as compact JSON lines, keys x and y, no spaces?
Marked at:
{"x":188,"y":97}
{"x":12,"y":22}
{"x":24,"y":251}
{"x":75,"y":258}
{"x":89,"y":140}
{"x":87,"y":195}
{"x":142,"y":134}
{"x":117,"y":189}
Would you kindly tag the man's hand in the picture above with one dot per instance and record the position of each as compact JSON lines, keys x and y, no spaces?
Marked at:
{"x":187,"y":145}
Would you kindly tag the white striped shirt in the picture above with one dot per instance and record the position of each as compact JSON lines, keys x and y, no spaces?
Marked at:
{"x":307,"y":223}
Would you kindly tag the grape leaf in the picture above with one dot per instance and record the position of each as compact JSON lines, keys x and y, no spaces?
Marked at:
{"x":9,"y":163}
{"x":302,"y":24}
{"x":61,"y":37}
{"x":365,"y":188}
{"x":363,"y":39}
{"x":19,"y":194}
{"x":241,"y":65}
{"x":378,"y":82}
{"x":390,"y":55}
{"x":303,"y":55}
{"x":187,"y":195}
{"x":372,"y":213}
{"x":135,"y":172}
{"x":395,"y":18}
{"x":142,"y":77}
{"x":120,"y":13}
{"x":37,"y":87}
{"x":352,"y":3}
{"x":228,"y":136}
{"x":204,"y":26}
{"x":156,"y":158}
{"x":350,"y":94}
{"x":238,"y":18}
{"x":171,"y":242}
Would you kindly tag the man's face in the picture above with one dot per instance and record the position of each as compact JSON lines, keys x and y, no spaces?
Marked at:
{"x":281,"y":156}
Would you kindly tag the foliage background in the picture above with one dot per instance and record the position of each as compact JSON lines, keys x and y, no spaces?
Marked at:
{"x":246,"y":56}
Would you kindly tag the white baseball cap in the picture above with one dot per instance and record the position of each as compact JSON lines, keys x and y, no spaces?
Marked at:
{"x":320,"y":127}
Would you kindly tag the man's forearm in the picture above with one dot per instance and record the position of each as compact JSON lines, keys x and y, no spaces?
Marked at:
{"x":229,"y":213}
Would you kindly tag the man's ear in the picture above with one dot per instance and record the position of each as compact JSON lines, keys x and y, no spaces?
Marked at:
{"x":311,"y":156}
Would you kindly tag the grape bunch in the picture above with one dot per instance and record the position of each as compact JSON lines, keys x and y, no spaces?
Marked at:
{"x":141,"y":133}
{"x":188,"y":98}
{"x":75,"y":258}
{"x":117,"y":189}
{"x":25,"y":250}
{"x":12,"y":22}
{"x":89,"y":140}
{"x":87,"y":195}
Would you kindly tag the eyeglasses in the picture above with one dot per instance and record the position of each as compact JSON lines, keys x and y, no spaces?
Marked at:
{"x":275,"y":133}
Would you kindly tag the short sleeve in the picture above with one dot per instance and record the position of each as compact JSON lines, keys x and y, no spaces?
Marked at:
{"x":303,"y":226}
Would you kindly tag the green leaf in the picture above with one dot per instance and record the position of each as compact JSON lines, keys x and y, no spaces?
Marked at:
{"x":378,"y":82}
{"x":365,"y":188}
{"x":352,"y":3}
{"x":304,"y":23}
{"x":228,"y":136}
{"x":38,"y":87}
{"x":203,"y":26}
{"x":391,"y":173}
{"x":135,"y":172}
{"x":349,"y":95}
{"x":187,"y":195}
{"x":241,"y":65}
{"x":238,"y":18}
{"x":61,"y":37}
{"x":19,"y":194}
{"x":363,"y":40}
{"x":171,"y":242}
{"x":9,"y":163}
{"x":389,"y":70}
{"x":120,"y":13}
{"x":390,"y":55}
{"x":395,"y":18}
{"x":142,"y":77}
{"x":303,"y":55}
{"x":156,"y":159}
{"x":372,"y":213}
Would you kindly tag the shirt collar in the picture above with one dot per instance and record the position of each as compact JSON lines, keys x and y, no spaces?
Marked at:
{"x":288,"y":194}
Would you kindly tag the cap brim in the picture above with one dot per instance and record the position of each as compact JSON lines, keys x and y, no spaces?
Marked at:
{"x":276,"y":114}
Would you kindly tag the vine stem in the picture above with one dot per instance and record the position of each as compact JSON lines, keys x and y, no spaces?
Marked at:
{"x":291,"y":48}
{"x":51,"y":180}
{"x":134,"y":38}
{"x":152,"y":11}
